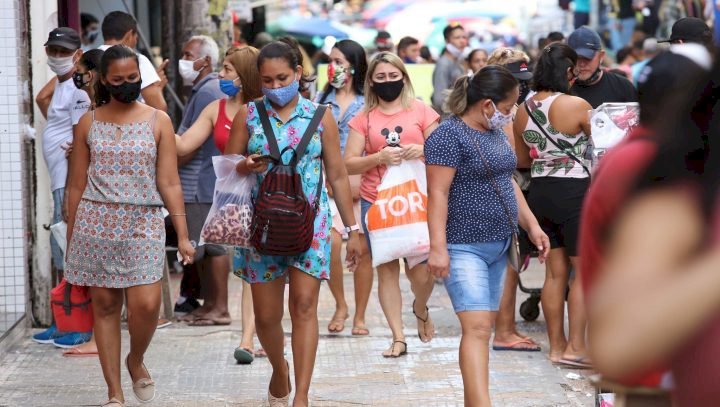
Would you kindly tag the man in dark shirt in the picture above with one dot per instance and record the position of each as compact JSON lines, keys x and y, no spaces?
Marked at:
{"x":593,"y":84}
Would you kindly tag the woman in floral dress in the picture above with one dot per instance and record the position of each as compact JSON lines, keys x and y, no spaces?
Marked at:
{"x":281,"y":75}
{"x":123,"y":171}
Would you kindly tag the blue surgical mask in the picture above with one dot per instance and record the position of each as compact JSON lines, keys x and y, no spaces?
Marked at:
{"x":282,"y":96}
{"x":228,"y":87}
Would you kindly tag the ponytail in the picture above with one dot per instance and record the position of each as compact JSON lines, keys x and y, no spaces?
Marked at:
{"x":493,"y":82}
{"x":457,"y":102}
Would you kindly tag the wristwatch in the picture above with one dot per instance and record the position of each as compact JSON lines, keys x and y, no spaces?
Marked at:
{"x":352,"y":228}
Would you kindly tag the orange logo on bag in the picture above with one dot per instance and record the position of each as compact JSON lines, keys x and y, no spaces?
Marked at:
{"x":399,"y":205}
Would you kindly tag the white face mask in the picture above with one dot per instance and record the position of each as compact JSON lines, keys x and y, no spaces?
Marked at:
{"x":498,"y":120}
{"x":187,"y":72}
{"x":454,"y":51}
{"x":61,"y":65}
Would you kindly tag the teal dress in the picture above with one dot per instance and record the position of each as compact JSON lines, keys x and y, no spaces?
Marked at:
{"x":248,"y":263}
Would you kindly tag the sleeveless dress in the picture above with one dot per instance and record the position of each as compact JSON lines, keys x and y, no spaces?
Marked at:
{"x":248,"y":263}
{"x":119,"y":234}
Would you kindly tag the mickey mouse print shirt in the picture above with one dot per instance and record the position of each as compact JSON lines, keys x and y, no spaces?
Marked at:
{"x":380,"y":130}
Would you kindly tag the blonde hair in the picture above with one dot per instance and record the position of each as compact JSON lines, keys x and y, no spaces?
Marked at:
{"x":244,"y":60}
{"x":504,"y":56}
{"x":408,"y":93}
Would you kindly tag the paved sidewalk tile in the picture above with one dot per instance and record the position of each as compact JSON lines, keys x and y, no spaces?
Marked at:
{"x":194,"y":366}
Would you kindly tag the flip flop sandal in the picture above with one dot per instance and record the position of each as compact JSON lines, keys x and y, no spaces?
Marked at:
{"x":575,"y":363}
{"x":78,"y":353}
{"x":210,"y":322}
{"x":424,"y":321}
{"x":260,"y":353}
{"x":392,"y":349}
{"x":337,"y":321}
{"x":243,"y":356}
{"x":512,"y":346}
{"x":360,"y":331}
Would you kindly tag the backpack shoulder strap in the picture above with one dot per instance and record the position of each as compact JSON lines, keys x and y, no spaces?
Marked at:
{"x":310,"y":131}
{"x":267,"y":128}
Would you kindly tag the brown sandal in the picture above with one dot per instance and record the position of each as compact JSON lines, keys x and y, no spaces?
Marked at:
{"x":392,"y":349}
{"x":425,"y":323}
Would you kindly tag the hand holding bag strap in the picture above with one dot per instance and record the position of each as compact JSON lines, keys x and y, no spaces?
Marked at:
{"x":550,"y":139}
{"x":268,"y":129}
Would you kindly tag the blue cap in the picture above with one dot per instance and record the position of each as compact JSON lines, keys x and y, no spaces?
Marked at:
{"x":585,"y":41}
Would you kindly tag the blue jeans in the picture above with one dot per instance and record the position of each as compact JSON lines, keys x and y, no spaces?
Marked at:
{"x":58,"y":260}
{"x":477,"y":275}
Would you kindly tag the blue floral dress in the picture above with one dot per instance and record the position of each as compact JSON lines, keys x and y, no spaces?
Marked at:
{"x":248,"y":263}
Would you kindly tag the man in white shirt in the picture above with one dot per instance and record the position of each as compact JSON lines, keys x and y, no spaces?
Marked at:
{"x":67,"y":105}
{"x":121,"y":28}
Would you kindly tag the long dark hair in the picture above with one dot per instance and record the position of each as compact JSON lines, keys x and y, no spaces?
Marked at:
{"x":114,"y":53}
{"x":92,"y":59}
{"x":687,"y":128}
{"x":283,"y":49}
{"x":355,"y":54}
{"x":550,"y":72}
{"x":493,"y":82}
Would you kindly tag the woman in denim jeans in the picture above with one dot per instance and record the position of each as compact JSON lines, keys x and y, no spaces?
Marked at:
{"x":474,"y":207}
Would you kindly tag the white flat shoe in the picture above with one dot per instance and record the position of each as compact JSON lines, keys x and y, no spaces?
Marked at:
{"x":143,"y":389}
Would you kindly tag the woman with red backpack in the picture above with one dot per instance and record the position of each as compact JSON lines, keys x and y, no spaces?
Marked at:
{"x":288,"y":140}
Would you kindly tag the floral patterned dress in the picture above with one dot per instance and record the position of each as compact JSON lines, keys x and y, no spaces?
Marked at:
{"x":118,"y":238}
{"x":248,"y":263}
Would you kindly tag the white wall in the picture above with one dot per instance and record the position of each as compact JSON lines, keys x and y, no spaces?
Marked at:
{"x":13,"y":118}
{"x":43,"y":19}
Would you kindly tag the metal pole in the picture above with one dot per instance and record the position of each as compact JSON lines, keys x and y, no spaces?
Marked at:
{"x":146,"y":44}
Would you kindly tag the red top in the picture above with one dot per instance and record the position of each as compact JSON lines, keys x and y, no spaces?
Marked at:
{"x":221,"y":132}
{"x":612,"y":182}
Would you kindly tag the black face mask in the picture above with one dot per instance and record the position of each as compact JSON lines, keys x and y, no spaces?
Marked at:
{"x":524,"y":91}
{"x":388,"y":91}
{"x":78,"y":80}
{"x":126,"y":92}
{"x":590,"y":80}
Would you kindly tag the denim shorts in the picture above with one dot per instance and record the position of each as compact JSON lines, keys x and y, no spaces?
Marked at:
{"x":477,"y":275}
{"x":58,"y":260}
{"x":364,"y":208}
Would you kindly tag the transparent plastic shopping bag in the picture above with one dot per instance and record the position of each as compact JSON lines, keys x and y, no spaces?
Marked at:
{"x":229,"y":219}
{"x":397,"y":221}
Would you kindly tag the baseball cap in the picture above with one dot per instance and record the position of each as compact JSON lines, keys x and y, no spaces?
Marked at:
{"x":520,"y":70}
{"x":64,"y":37}
{"x":690,"y":29}
{"x":383,"y":40}
{"x":585,"y":41}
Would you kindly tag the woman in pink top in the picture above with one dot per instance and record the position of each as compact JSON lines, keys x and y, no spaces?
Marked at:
{"x":392,"y":127}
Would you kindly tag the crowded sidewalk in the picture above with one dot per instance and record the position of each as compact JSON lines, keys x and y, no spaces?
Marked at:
{"x":194,"y":366}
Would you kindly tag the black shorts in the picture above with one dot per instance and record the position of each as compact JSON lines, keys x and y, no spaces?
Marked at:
{"x":557,"y":205}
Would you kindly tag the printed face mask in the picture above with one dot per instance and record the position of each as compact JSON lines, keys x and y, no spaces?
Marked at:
{"x":282,"y":96}
{"x":388,"y":91}
{"x":187,"y":71}
{"x":61,"y":65}
{"x":78,"y":79}
{"x":338,"y":75}
{"x":126,"y":92}
{"x":498,"y":120}
{"x":228,"y":87}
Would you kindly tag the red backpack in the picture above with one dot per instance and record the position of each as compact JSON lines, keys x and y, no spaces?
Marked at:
{"x":283,"y":221}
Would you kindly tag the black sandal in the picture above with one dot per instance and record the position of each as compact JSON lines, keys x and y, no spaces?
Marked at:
{"x":424,"y":321}
{"x":392,"y":349}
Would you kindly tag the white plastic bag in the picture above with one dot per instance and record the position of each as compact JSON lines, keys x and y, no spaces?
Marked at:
{"x":610,"y":123}
{"x":397,"y":221}
{"x":229,"y":219}
{"x":59,"y":232}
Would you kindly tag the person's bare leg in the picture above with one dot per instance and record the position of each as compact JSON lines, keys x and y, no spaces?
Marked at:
{"x":391,"y":302}
{"x":553,"y":301}
{"x":304,"y":294}
{"x":505,"y":327}
{"x":363,"y":280}
{"x":336,"y":284}
{"x":218,"y":274}
{"x":422,"y":284}
{"x":143,"y":304}
{"x":107,"y":305}
{"x":269,"y":304}
{"x":248,"y":318}
{"x":475,"y":355}
{"x":577,"y":319}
